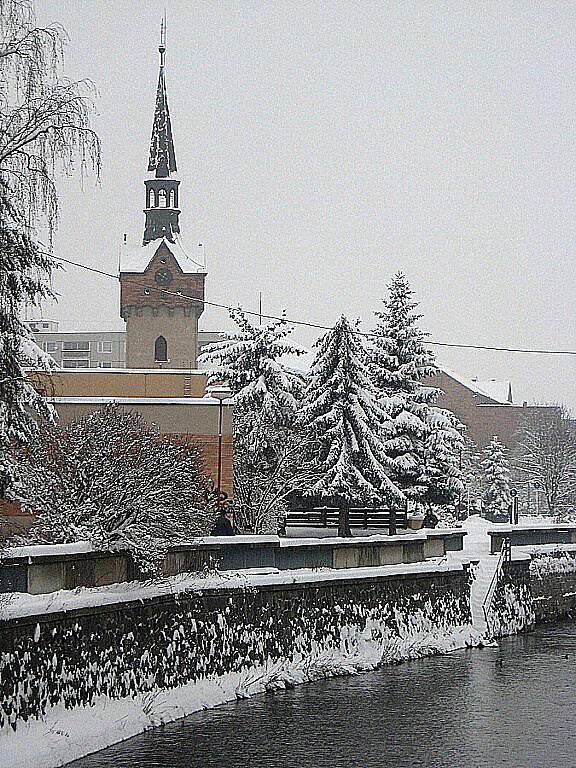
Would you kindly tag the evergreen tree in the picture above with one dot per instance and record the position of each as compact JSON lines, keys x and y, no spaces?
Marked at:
{"x":271,"y":458}
{"x":249,"y":361}
{"x":496,"y":479}
{"x":341,"y":412}
{"x":471,"y":477}
{"x":426,"y":439}
{"x":23,"y":272}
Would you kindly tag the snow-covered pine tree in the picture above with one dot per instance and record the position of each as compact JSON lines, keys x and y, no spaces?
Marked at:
{"x":471,"y":477}
{"x":426,"y":439}
{"x":341,"y":412}
{"x":442,"y":447}
{"x":270,"y":453}
{"x":495,"y":479}
{"x":250,"y":361}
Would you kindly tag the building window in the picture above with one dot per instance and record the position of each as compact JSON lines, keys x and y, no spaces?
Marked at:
{"x":104,"y":346}
{"x":49,"y":346}
{"x":76,"y":346}
{"x":104,"y":365}
{"x":75,"y":363}
{"x":161,"y":350}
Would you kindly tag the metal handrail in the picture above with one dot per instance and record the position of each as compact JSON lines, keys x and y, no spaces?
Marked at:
{"x":505,"y":557}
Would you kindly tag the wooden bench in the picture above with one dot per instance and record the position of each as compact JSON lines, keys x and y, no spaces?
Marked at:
{"x":360,"y":517}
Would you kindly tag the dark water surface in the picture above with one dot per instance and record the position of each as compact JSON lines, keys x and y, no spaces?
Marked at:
{"x":464,"y":710}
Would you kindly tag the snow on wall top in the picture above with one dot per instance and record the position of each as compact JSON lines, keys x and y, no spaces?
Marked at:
{"x":23,"y":604}
{"x":135,"y":258}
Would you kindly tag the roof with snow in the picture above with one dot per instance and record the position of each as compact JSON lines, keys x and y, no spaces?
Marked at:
{"x":498,"y":391}
{"x":135,"y":258}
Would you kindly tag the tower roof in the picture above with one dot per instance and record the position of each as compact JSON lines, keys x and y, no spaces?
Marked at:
{"x":162,"y":159}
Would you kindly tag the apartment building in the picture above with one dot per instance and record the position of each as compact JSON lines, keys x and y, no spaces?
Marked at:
{"x":90,"y":349}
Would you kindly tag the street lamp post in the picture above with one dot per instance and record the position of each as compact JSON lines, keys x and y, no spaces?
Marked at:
{"x":220,"y":393}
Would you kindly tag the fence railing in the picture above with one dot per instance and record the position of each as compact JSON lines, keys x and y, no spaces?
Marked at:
{"x":359,"y":517}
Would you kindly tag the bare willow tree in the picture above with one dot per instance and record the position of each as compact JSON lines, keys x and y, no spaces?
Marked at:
{"x":44,"y":130}
{"x":44,"y":117}
{"x":547,"y":456}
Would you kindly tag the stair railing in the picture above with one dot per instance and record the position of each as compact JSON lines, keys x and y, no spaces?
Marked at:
{"x":505,"y":557}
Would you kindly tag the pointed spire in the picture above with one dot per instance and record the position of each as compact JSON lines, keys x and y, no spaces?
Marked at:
{"x":162,"y":191}
{"x":162,"y":156}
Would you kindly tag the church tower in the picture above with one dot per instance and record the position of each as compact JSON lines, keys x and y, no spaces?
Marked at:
{"x":161,"y":288}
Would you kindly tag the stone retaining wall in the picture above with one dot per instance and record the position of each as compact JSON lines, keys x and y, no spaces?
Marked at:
{"x":125,"y":649}
{"x":512,"y":607}
{"x":553,"y":582}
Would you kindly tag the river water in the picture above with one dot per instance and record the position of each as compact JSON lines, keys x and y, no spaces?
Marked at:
{"x":514,"y":705}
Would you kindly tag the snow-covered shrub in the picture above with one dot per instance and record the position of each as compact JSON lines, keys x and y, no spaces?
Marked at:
{"x":556,"y":563}
{"x":110,"y":478}
{"x":270,"y":464}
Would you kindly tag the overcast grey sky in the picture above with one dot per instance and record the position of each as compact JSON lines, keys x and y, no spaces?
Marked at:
{"x":324,"y":145}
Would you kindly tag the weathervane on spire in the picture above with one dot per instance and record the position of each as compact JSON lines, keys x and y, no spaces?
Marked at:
{"x":162,"y":46}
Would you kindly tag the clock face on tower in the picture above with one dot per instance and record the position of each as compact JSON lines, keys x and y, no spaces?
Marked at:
{"x":163,"y":277}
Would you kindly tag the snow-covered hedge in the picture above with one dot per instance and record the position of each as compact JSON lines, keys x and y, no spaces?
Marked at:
{"x":558,"y":562}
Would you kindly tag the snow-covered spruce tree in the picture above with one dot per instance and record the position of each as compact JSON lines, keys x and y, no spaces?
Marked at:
{"x":249,"y":360}
{"x":471,"y":477}
{"x":111,"y":479}
{"x":495,"y":479}
{"x":342,"y":414}
{"x":426,"y":439}
{"x":23,"y":272}
{"x":270,"y":456}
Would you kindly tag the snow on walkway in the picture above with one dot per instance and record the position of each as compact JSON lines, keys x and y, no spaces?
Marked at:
{"x":477,"y":548}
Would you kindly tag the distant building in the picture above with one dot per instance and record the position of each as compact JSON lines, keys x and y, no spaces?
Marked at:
{"x":177,"y":402}
{"x":93,"y":349}
{"x":485,"y":407}
{"x":77,"y":349}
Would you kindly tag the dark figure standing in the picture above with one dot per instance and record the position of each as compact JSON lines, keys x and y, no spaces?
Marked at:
{"x":223,"y":525}
{"x":430,"y":520}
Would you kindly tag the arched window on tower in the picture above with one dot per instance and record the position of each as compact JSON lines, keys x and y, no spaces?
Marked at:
{"x":160,"y":350}
{"x":162,"y":199}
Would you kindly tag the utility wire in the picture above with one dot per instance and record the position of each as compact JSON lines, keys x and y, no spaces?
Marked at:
{"x":304,"y":323}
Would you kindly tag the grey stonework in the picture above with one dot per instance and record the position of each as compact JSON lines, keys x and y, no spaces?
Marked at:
{"x":179,"y":326}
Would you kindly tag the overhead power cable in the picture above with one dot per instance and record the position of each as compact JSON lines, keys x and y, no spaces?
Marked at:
{"x":305,"y":323}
